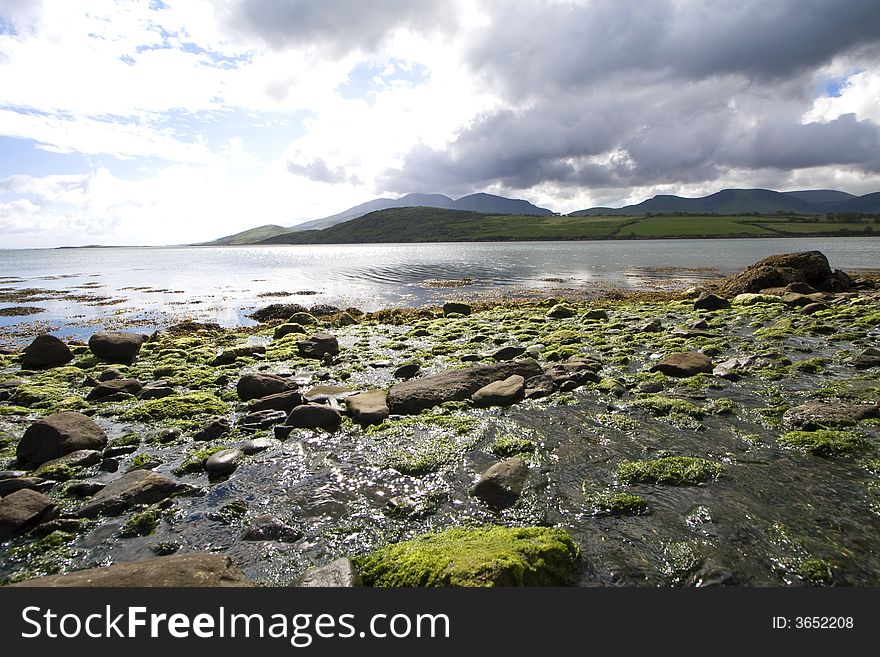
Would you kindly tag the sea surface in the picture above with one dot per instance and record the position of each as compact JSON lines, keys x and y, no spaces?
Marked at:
{"x":152,"y":287}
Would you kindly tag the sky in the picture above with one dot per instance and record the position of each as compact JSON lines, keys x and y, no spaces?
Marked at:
{"x":173,"y":121}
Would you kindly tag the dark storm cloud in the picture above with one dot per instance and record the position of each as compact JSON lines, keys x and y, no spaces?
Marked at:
{"x":535,"y":47}
{"x":621,"y":94}
{"x":336,"y":25}
{"x":319,"y":171}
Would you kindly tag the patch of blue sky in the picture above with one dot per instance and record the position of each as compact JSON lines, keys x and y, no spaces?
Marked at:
{"x":157,"y":5}
{"x":366,"y":80}
{"x":7,"y":26}
{"x":26,"y":157}
{"x":216,"y":59}
{"x":265,"y":135}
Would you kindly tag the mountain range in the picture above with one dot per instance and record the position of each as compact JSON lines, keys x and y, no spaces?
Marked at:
{"x":724,"y":202}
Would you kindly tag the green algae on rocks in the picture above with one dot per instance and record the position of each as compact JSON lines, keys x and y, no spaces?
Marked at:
{"x":618,"y":504}
{"x":670,"y":470}
{"x":475,"y":557}
{"x":176,"y":407}
{"x":824,"y":442}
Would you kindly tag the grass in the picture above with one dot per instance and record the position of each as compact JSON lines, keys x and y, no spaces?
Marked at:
{"x":421,"y":224}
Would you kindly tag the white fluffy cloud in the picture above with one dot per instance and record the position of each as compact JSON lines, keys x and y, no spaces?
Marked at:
{"x":184,"y":120}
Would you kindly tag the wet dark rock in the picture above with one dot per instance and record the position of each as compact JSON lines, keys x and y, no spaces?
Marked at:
{"x":693,"y":333}
{"x":369,"y":407}
{"x":12,"y":474}
{"x":269,"y":528}
{"x":470,"y":358}
{"x":500,"y":393}
{"x":317,"y":345}
{"x":119,"y":450}
{"x":684,"y":364}
{"x":61,"y":524}
{"x":797,"y":300}
{"x":828,"y":414}
{"x":8,"y":387}
{"x":650,"y":386}
{"x":287,"y":329}
{"x":44,"y":352}
{"x":453,"y":307}
{"x":709,"y":301}
{"x":812,"y":308}
{"x":179,"y":570}
{"x":282,"y":401}
{"x":8,"y":486}
{"x":261,"y":419}
{"x":453,"y":385}
{"x":577,"y":371}
{"x":407,"y":371}
{"x":109,"y":465}
{"x":137,"y":487}
{"x":256,"y":386}
{"x":255,"y":445}
{"x":114,"y":387}
{"x":702,"y":325}
{"x":340,"y":573}
{"x":809,"y":267}
{"x":282,"y":431}
{"x":501,"y":485}
{"x":277,"y":311}
{"x":653,"y":326}
{"x":224,"y":462}
{"x":110,"y":373}
{"x":155,"y":392}
{"x":57,"y":435}
{"x":800,"y":288}
{"x":81,"y":458}
{"x":560,"y":311}
{"x":314,"y":416}
{"x":323,"y":309}
{"x":538,"y":386}
{"x":23,"y":509}
{"x":228,"y":356}
{"x":85,"y":488}
{"x":213,"y":429}
{"x":868,"y":358}
{"x":166,"y":435}
{"x":508,"y":353}
{"x":116,"y":346}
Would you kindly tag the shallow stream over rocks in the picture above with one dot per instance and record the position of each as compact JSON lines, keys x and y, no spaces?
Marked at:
{"x":771,"y":514}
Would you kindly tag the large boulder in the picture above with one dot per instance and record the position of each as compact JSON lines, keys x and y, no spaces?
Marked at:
{"x":501,"y":393}
{"x":116,"y":346}
{"x":369,"y":407}
{"x":277,"y":311}
{"x":828,"y":415}
{"x":778,"y":271}
{"x":454,"y":307}
{"x":317,"y":345}
{"x":136,"y":487}
{"x":314,"y":416}
{"x":684,"y":364}
{"x":280,"y":401}
{"x":256,"y":385}
{"x":44,"y":352}
{"x":22,"y":510}
{"x":502,"y":484}
{"x":454,"y":385}
{"x":57,"y":435}
{"x":179,"y":570}
{"x":475,"y":556}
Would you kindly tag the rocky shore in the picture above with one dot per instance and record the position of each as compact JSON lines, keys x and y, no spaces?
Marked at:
{"x":727,"y":435}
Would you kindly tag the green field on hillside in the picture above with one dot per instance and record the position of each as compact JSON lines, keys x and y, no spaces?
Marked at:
{"x":422,"y":224}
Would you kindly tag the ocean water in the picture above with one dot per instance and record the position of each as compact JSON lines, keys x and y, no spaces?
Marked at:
{"x":78,"y":289}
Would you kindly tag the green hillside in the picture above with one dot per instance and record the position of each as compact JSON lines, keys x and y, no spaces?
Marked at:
{"x":422,"y":224}
{"x":252,"y":236}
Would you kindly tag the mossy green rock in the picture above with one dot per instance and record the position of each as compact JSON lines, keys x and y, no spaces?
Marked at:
{"x":823,"y":442}
{"x":670,"y":470}
{"x":481,"y":556}
{"x":176,"y":407}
